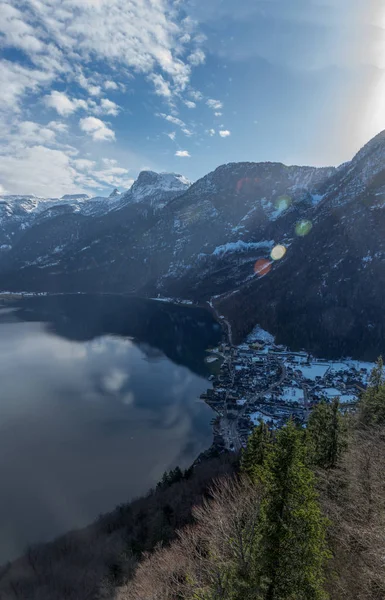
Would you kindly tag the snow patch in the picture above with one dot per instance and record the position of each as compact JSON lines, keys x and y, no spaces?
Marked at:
{"x":314,"y":370}
{"x":257,"y":416}
{"x":260,"y":334}
{"x":241,"y":246}
{"x":292,"y":394}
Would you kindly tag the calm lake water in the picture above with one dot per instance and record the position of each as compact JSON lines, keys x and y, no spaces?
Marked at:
{"x":98,"y":396}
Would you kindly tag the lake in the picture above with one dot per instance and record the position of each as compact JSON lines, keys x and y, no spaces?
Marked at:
{"x":98,"y":397}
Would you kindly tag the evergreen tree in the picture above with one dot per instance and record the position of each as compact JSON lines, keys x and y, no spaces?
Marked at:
{"x":293,"y":549}
{"x":170,"y":477}
{"x":376,"y":379}
{"x":372,"y":404}
{"x":326,"y":434}
{"x":256,"y":451}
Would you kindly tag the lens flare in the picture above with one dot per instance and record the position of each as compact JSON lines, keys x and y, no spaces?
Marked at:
{"x":282,"y":202}
{"x":278,"y":252}
{"x":303,"y":228}
{"x":262,"y":267}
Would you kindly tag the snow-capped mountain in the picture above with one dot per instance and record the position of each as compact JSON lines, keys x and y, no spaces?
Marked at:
{"x":18,"y":212}
{"x":201,"y":241}
{"x":155,"y":189}
{"x":50,"y":226}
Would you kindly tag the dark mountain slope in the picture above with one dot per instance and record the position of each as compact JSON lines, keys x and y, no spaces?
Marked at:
{"x":152,"y":246}
{"x":327,"y":293}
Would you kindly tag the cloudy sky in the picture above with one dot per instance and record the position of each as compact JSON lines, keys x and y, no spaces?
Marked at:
{"x":93,"y":91}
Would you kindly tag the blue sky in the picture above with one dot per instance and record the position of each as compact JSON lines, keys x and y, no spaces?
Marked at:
{"x":93,"y":91}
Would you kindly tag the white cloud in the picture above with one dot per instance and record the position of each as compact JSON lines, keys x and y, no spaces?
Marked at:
{"x":110,"y":85}
{"x":108,"y":107}
{"x":217,"y":114}
{"x":224,"y":133}
{"x":190,"y":104}
{"x":38,"y":170}
{"x":211,"y":131}
{"x":113,"y":176}
{"x":64,"y":41}
{"x":60,"y":102}
{"x":110,"y":162}
{"x":16,"y":32}
{"x":96,"y":128}
{"x":64,"y":105}
{"x":162,"y":87}
{"x":172,"y":135}
{"x":34,"y":133}
{"x":183,"y":153}
{"x":187,"y":132}
{"x":214,"y":104}
{"x":58,"y":126}
{"x":196,"y":58}
{"x":195,"y":95}
{"x":110,"y":174}
{"x":102,"y":178}
{"x":29,"y":166}
{"x":174,"y":120}
{"x":142,"y":35}
{"x":83,"y":164}
{"x":184,"y":39}
{"x":16,"y":81}
{"x":87,"y":84}
{"x":94,"y":90}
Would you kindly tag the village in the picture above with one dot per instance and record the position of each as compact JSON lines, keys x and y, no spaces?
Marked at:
{"x":261,"y":380}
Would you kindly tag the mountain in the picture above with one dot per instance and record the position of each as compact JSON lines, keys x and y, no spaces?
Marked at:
{"x":202,"y":241}
{"x":18,"y":212}
{"x":156,"y":188}
{"x":327,"y":293}
{"x":115,"y":193}
{"x":159,"y":239}
{"x":84,"y":235}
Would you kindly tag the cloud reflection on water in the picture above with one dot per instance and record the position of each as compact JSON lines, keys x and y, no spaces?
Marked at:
{"x":85,"y":426}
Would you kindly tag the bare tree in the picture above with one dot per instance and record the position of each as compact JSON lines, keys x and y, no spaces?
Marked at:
{"x":211,"y":557}
{"x":354,"y":501}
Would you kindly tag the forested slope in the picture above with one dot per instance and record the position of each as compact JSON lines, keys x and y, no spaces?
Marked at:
{"x":301,"y":517}
{"x":304,"y":521}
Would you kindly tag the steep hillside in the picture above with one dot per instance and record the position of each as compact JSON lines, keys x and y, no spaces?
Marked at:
{"x":77,"y":565}
{"x":326,"y":293}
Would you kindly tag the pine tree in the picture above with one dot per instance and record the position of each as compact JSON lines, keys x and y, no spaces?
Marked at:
{"x":326,"y":433}
{"x":293,"y":549}
{"x":372,"y":404}
{"x":376,"y":379}
{"x":256,"y":451}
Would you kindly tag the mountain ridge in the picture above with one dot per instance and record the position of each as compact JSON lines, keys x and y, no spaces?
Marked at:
{"x":165,"y":236}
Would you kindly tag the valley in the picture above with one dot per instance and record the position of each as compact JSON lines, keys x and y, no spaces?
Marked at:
{"x":216,"y":239}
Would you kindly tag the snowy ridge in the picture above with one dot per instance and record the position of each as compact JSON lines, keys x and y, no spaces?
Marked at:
{"x":241,"y":246}
{"x":156,"y":187}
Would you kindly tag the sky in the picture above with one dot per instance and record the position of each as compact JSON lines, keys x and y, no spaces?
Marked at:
{"x":94,"y":91}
